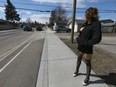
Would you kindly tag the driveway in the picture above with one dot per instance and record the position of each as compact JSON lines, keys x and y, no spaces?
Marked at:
{"x":108,"y":43}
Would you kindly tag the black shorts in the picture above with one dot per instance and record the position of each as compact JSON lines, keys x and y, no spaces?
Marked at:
{"x":85,"y":49}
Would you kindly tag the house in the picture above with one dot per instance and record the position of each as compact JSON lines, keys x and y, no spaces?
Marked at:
{"x":78,"y":24}
{"x":54,"y":26}
{"x":58,"y":24}
{"x":106,"y":21}
{"x":108,"y":25}
{"x":4,"y":25}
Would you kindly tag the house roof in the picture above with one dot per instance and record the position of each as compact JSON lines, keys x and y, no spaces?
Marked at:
{"x":108,"y":24}
{"x":106,"y":21}
{"x":78,"y":21}
{"x":2,"y":21}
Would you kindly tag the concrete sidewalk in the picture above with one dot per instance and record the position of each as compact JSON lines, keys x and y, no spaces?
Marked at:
{"x":58,"y":64}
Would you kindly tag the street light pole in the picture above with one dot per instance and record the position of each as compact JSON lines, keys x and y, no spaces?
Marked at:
{"x":73,"y":20}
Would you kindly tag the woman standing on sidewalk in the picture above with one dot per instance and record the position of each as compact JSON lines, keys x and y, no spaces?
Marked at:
{"x":89,"y":35}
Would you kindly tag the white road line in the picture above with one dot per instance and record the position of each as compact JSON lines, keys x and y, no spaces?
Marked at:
{"x":7,"y":30}
{"x":13,"y":49}
{"x":2,"y":69}
{"x":8,"y":53}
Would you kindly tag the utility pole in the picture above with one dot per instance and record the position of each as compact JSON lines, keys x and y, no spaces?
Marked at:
{"x":73,"y":20}
{"x":115,"y":27}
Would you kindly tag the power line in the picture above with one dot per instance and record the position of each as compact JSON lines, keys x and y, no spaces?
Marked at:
{"x":30,"y":9}
{"x":51,"y":11}
{"x":33,"y":4}
{"x":114,"y":11}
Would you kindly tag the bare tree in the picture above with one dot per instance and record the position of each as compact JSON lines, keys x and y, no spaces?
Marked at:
{"x":28,"y":20}
{"x":59,"y":16}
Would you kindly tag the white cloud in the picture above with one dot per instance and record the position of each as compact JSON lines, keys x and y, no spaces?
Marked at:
{"x":66,"y":1}
{"x":80,"y":3}
{"x":94,"y":0}
{"x":54,"y":1}
{"x":80,"y":18}
{"x":1,"y":9}
{"x":41,"y":18}
{"x":24,"y":12}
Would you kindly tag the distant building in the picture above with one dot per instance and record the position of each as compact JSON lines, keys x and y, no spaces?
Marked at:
{"x":4,"y":25}
{"x":78,"y":24}
{"x":54,"y":26}
{"x":108,"y":25}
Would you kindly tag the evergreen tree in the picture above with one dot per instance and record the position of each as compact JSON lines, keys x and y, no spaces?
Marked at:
{"x":11,"y":13}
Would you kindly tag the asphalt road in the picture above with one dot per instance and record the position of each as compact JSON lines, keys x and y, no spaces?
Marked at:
{"x":20,"y":56}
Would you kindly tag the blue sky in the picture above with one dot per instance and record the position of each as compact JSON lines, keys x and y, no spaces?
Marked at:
{"x":106,"y":8}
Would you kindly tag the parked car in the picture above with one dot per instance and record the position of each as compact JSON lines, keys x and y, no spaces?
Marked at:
{"x":39,"y":28}
{"x":21,"y":25}
{"x":62,"y":28}
{"x":27,"y":28}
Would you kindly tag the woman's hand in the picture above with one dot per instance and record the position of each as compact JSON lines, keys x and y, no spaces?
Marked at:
{"x":81,"y":29}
